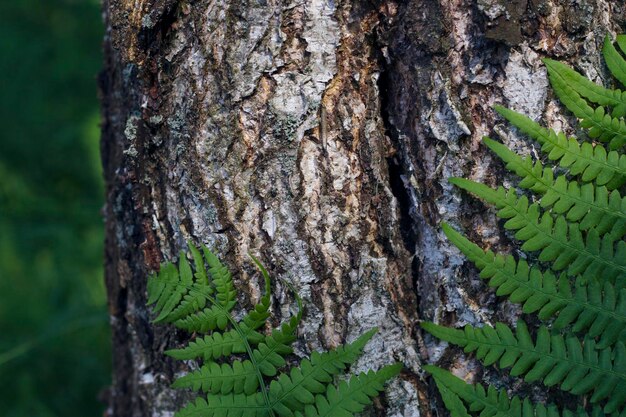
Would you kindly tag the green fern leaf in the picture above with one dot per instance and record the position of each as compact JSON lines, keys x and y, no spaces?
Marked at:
{"x":242,"y":376}
{"x":230,"y":405}
{"x":289,"y":392}
{"x":195,"y":298}
{"x":578,"y":227}
{"x":588,"y":161}
{"x":157,"y":284}
{"x":559,"y":242}
{"x":614,"y":61}
{"x":226,"y":295}
{"x":313,"y":375}
{"x":174,"y":292}
{"x":209,"y":319}
{"x":350,"y":396}
{"x":601,"y":315}
{"x":577,"y":367}
{"x":217,"y":345}
{"x":589,"y":205}
{"x":269,"y":355}
{"x":238,"y":377}
{"x":596,"y":309}
{"x":494,"y":403}
{"x":602,"y":126}
{"x":198,"y":261}
{"x":621,"y":42}
{"x":589,"y":90}
{"x":233,"y":386}
{"x":177,"y":293}
{"x":450,"y":399}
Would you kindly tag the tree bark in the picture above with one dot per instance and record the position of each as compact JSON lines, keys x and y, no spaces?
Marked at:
{"x":319,"y":136}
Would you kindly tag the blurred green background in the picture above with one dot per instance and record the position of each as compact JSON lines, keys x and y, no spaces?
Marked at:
{"x":54,"y":342}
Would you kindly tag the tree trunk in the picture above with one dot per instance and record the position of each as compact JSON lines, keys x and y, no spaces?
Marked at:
{"x":319,"y":136}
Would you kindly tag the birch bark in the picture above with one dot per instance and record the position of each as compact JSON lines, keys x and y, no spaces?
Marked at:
{"x":318,"y":135}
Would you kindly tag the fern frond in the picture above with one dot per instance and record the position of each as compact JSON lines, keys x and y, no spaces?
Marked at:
{"x":588,"y":89}
{"x":226,"y":295}
{"x":451,"y":400}
{"x":343,"y":401}
{"x":590,"y":205}
{"x":614,"y":61}
{"x":209,"y":319}
{"x":577,"y":367}
{"x":242,"y":376}
{"x":175,"y":293}
{"x":578,"y":225}
{"x":559,"y":242}
{"x":289,"y":392}
{"x":238,"y":377}
{"x":230,"y":405}
{"x":178,"y":295}
{"x":216,"y":345}
{"x":233,"y":387}
{"x":598,"y":310}
{"x":592,"y":163}
{"x":217,"y":315}
{"x":602,"y":126}
{"x":350,"y":396}
{"x":295,"y":389}
{"x":496,"y":403}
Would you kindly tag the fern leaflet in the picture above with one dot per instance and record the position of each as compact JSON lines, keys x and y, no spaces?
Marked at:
{"x":614,"y":61}
{"x":217,"y":345}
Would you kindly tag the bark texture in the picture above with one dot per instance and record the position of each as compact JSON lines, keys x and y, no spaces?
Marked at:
{"x":318,"y":135}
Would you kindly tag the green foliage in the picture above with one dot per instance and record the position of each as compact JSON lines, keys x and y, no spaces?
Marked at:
{"x":591,"y":163}
{"x":577,"y":225}
{"x":51,"y":194}
{"x":493,"y":402}
{"x":602,"y":126}
{"x":589,"y":204}
{"x":559,"y":241}
{"x":255,"y":383}
{"x":598,"y":309}
{"x":576,"y":366}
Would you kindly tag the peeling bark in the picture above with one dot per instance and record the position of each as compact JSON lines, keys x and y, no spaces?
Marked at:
{"x":319,"y":136}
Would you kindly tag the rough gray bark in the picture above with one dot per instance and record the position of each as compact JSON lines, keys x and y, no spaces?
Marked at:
{"x":318,"y":135}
